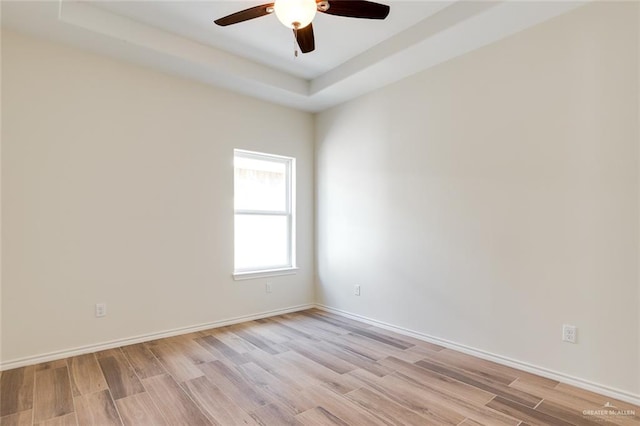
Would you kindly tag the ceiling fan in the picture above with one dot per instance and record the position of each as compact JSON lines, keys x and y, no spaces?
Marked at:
{"x":298,"y":14}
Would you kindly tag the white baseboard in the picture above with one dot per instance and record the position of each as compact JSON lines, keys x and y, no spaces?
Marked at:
{"x":52,"y":356}
{"x":540,"y":371}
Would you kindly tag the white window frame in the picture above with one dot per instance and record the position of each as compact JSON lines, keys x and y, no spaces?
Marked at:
{"x":289,"y":212}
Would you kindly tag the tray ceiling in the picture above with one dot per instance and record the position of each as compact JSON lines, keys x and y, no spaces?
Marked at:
{"x":352,"y":56}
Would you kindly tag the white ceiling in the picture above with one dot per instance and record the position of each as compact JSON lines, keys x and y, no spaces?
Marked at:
{"x":352,"y":56}
{"x":265,"y":39}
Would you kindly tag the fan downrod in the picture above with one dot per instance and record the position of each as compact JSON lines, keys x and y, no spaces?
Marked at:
{"x":323,"y":6}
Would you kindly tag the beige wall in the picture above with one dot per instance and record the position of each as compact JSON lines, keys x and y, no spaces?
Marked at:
{"x":117,"y":187}
{"x":493,"y":198}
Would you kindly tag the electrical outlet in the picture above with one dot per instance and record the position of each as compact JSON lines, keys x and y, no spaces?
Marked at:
{"x":267,"y":287}
{"x":357,"y":290}
{"x":101,"y":310}
{"x":569,"y":333}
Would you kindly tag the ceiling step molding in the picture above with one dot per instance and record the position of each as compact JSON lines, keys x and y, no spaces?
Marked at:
{"x":451,"y":29}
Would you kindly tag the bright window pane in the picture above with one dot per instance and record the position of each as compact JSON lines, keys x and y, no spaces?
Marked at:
{"x":260,"y":184}
{"x":261,"y":242}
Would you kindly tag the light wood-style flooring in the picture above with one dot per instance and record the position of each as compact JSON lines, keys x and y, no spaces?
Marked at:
{"x":310,"y":367}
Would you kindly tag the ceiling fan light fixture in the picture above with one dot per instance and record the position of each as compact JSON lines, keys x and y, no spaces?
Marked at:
{"x":295,"y":14}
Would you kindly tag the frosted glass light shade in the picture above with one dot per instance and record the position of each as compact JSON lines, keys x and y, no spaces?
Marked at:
{"x":295,"y":13}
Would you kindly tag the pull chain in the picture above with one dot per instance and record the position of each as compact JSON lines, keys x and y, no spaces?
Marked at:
{"x":295,"y":41}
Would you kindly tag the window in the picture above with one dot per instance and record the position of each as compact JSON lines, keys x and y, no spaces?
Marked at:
{"x":264,"y":189}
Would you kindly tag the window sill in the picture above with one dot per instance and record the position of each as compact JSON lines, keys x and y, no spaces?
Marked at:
{"x":240,"y":276}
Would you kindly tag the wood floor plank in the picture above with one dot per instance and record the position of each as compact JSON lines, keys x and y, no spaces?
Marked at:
{"x":295,"y":378}
{"x":419,"y":345}
{"x":341,"y":319}
{"x":449,"y":354}
{"x":139,"y":409}
{"x":426,"y":398}
{"x":119,"y":374}
{"x":571,"y":402}
{"x":66,"y":420}
{"x":574,"y":417}
{"x":597,"y":399}
{"x":287,"y":397}
{"x":144,"y":363}
{"x":234,"y":385}
{"x":321,"y":357}
{"x":259,"y":341}
{"x":16,"y":390}
{"x":270,"y":363}
{"x":567,"y":400}
{"x":273,"y":414}
{"x":97,"y":409}
{"x":196,"y":353}
{"x":174,"y":404}
{"x":344,"y":343}
{"x":461,"y":406}
{"x":177,"y":339}
{"x":22,"y":418}
{"x":341,"y":406}
{"x":219,"y":408}
{"x":86,"y":375}
{"x":280,"y":333}
{"x":386,"y":409}
{"x":369,"y":333}
{"x":411,"y":397}
{"x":473,"y":368}
{"x":51,"y":364}
{"x":318,"y":329}
{"x":286,"y":330}
{"x":421,"y":350}
{"x":114,"y":352}
{"x":339,"y":382}
{"x":438,"y":381}
{"x":53,"y":396}
{"x":182,"y":338}
{"x":266,"y":330}
{"x":524,"y":413}
{"x":518,"y":396}
{"x":355,"y":359}
{"x":390,"y":339}
{"x":237,"y":343}
{"x":178,"y":363}
{"x":320,"y":416}
{"x":380,"y":347}
{"x":220,"y":350}
{"x":469,"y":422}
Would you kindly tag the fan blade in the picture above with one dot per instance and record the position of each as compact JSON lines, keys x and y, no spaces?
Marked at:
{"x":305,"y":39}
{"x":245,"y":15}
{"x":357,"y":9}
